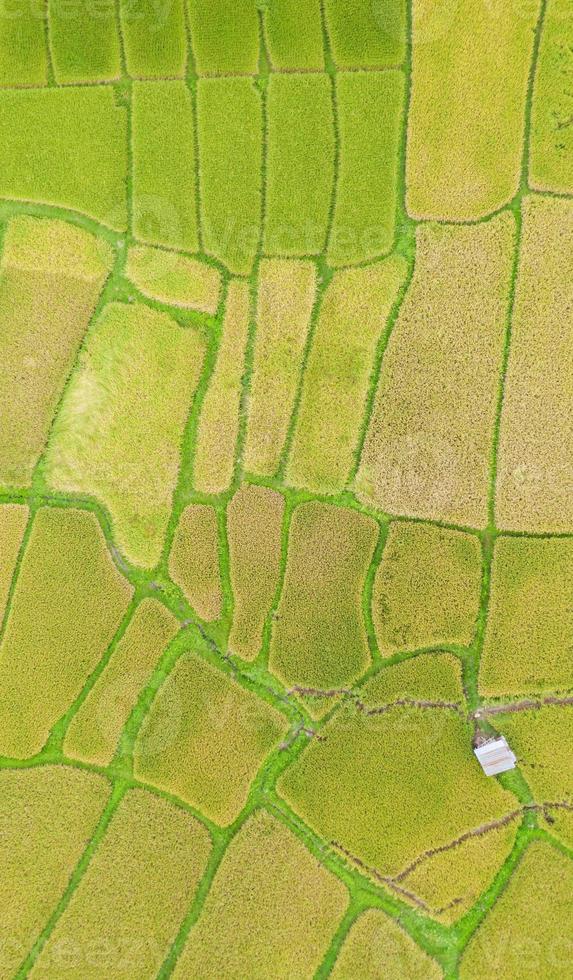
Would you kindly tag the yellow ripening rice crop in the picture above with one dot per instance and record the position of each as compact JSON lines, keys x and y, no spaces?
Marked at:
{"x":194,"y":560}
{"x":338,"y":374}
{"x":56,"y":634}
{"x":429,"y":443}
{"x":540,"y":739}
{"x":285,"y":299}
{"x":218,"y":428}
{"x":118,"y":434}
{"x":529,"y":636}
{"x":535,"y":471}
{"x":47,"y":816}
{"x":95,"y":729}
{"x":434,"y":676}
{"x":527,"y":932}
{"x":174,"y":279}
{"x":126,"y":910}
{"x":427,"y":588}
{"x":51,"y":274}
{"x":254,"y":528}
{"x":271,"y":912}
{"x":377,"y":948}
{"x":13,"y":518}
{"x":390,"y":785}
{"x":465,"y":126}
{"x":319,"y":636}
{"x":205,"y":738}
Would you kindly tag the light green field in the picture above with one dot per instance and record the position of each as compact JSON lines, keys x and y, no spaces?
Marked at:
{"x":286,"y":484}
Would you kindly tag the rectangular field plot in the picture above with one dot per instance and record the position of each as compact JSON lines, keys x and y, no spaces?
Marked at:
{"x":319,"y":636}
{"x":194,"y":560}
{"x":428,"y":447}
{"x":47,"y":816}
{"x":154,"y":38}
{"x":230,"y":128}
{"x":352,"y":318}
{"x":293,"y":33}
{"x":529,"y":637}
{"x":94,"y":732}
{"x":129,"y":903}
{"x":23,"y":48}
{"x":300,"y":165}
{"x":551,"y":149}
{"x":13,"y":519}
{"x":370,"y":107}
{"x":239,"y":934}
{"x":366,"y":35}
{"x":285,"y":299}
{"x":535,"y":470}
{"x":51,"y":127}
{"x":427,"y":588}
{"x":541,"y":740}
{"x":465,"y":128}
{"x":118,"y":434}
{"x":51,"y":274}
{"x":84,"y":41}
{"x":225,"y":36}
{"x":176,"y":280}
{"x":214,"y":460}
{"x":164,"y":163}
{"x":56,"y":635}
{"x":205,"y":739}
{"x":254,"y":526}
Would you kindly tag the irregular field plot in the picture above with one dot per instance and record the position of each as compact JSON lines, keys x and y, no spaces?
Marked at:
{"x":13,"y":520}
{"x":50,"y":127}
{"x":45,"y":308}
{"x":527,"y":933}
{"x":47,"y":816}
{"x":285,"y":299}
{"x":465,"y":130}
{"x":205,"y":738}
{"x":194,"y":560}
{"x":428,"y":447}
{"x":119,"y":430}
{"x":378,"y":785}
{"x":230,"y":132}
{"x":433,"y":676}
{"x":529,"y":637}
{"x":95,"y":729}
{"x":426,"y":588}
{"x":128,"y":906}
{"x":338,"y":373}
{"x":56,"y":635}
{"x":174,"y":279}
{"x":218,"y":428}
{"x":540,"y":739}
{"x":163,"y":150}
{"x":154,"y":38}
{"x":536,"y":439}
{"x":319,"y":637}
{"x":254,"y":531}
{"x":377,"y":948}
{"x":551,"y":150}
{"x":300,"y":164}
{"x":272,"y":910}
{"x":294,"y":34}
{"x":84,"y":46}
{"x":369,"y":121}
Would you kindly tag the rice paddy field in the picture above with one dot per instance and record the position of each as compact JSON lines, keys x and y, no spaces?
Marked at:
{"x":286,"y":489}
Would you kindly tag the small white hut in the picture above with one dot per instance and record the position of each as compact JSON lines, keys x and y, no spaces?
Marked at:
{"x":495,"y":756}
